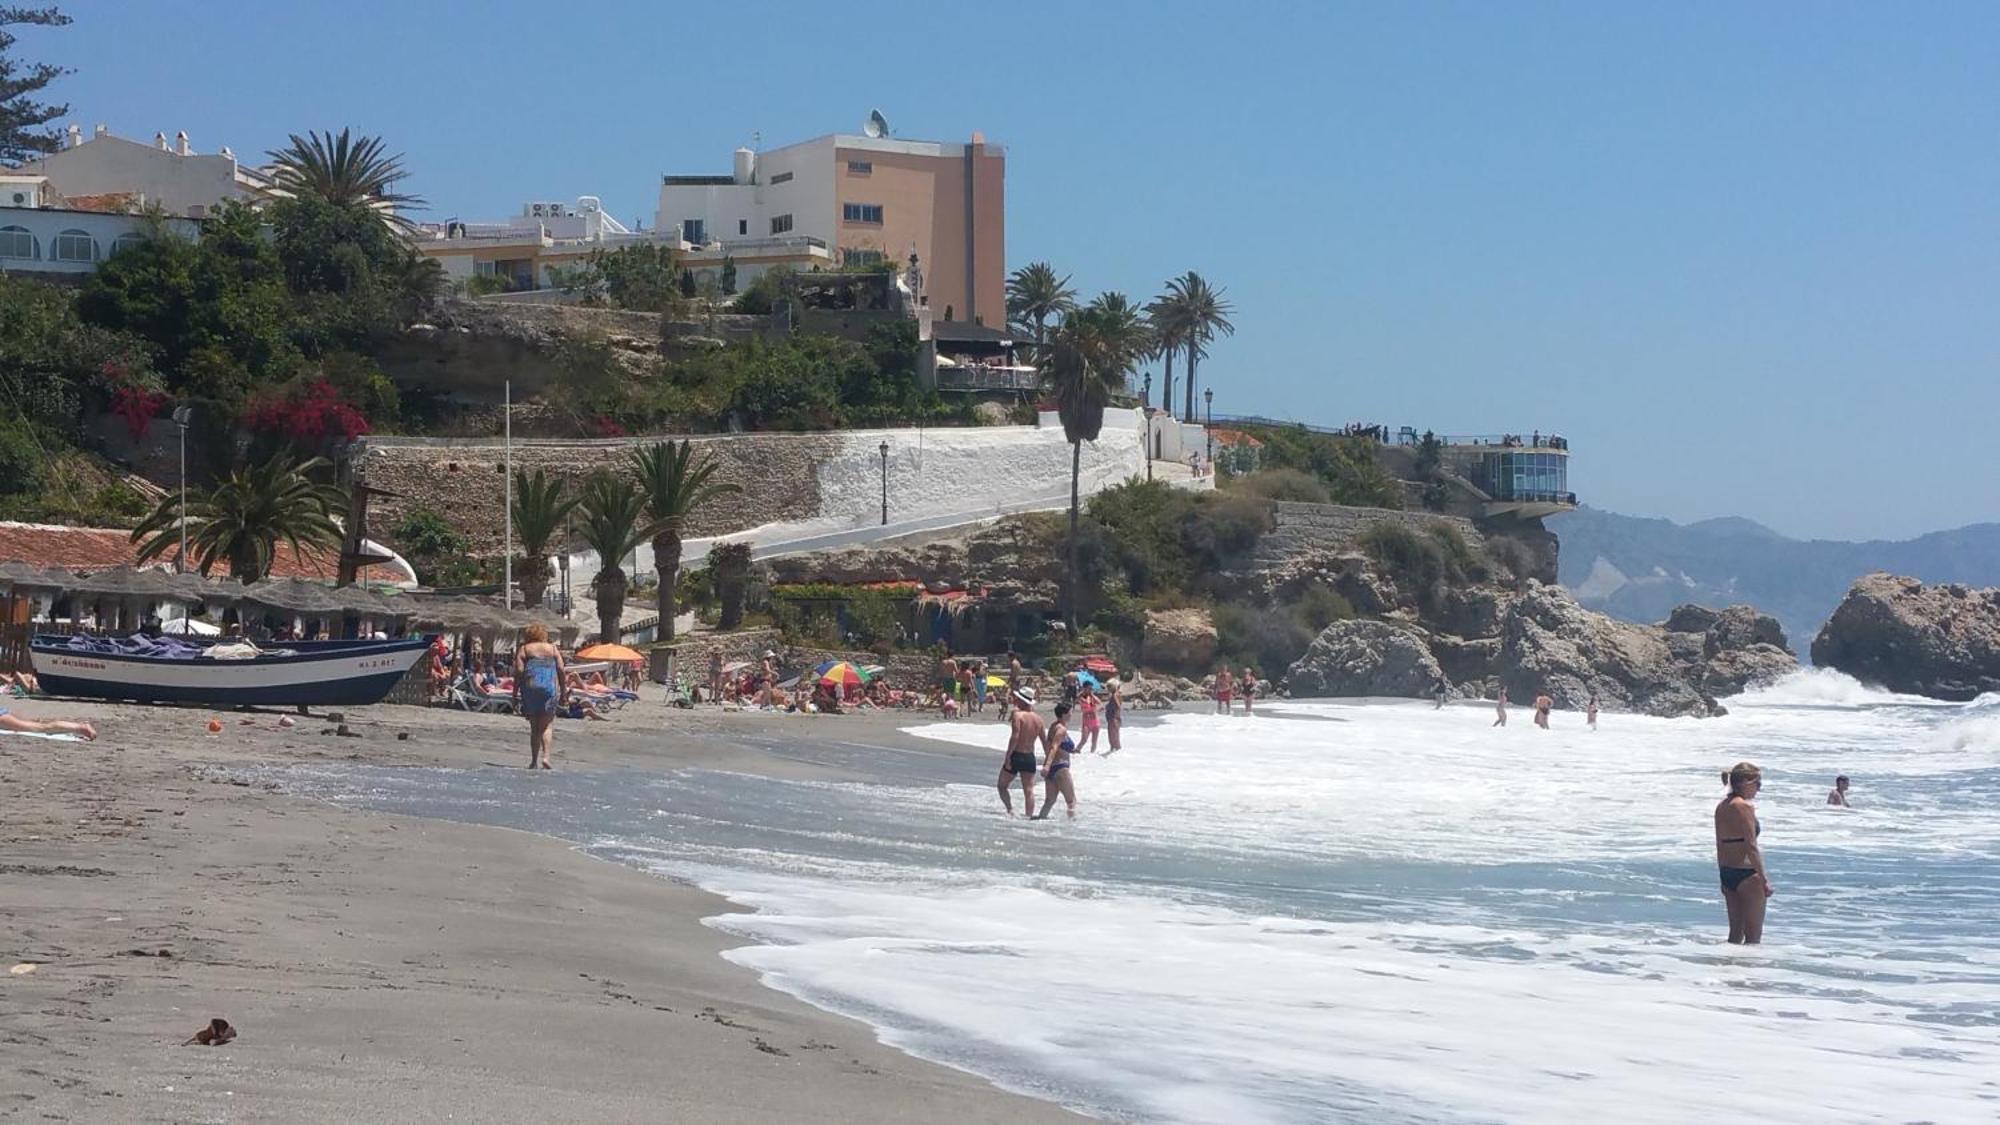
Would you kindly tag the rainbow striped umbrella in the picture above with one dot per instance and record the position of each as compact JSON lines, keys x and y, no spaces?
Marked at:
{"x":841,"y":674}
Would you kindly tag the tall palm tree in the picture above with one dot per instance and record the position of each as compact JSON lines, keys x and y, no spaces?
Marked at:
{"x":344,"y":170}
{"x":242,"y":520}
{"x":539,"y":509}
{"x":676,"y":483}
{"x":1168,"y":314}
{"x":1035,"y":295}
{"x":1094,"y":350}
{"x":1206,"y":313}
{"x":614,"y":511}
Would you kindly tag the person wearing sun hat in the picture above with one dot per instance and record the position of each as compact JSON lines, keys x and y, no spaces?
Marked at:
{"x":1019,"y":762}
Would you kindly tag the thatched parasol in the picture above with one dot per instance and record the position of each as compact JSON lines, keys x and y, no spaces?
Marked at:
{"x":294,"y":595}
{"x":127,"y":583}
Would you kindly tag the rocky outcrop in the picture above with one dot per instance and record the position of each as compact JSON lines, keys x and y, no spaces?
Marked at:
{"x":1181,"y":639}
{"x":1897,"y":633}
{"x":1365,"y":658}
{"x":1550,"y":644}
{"x":1013,"y":562}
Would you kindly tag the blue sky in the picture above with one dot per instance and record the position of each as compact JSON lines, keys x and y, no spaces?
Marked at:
{"x":1746,"y":257}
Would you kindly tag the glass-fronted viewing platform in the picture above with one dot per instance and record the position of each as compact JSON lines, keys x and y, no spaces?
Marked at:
{"x":1524,"y":477}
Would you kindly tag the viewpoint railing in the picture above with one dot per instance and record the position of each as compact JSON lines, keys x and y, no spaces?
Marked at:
{"x":976,"y":378}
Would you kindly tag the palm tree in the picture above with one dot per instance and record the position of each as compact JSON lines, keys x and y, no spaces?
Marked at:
{"x":676,"y":483}
{"x":1035,"y":295}
{"x":730,"y":564}
{"x":242,"y":520}
{"x":613,"y":513}
{"x":1168,"y":314}
{"x":1094,"y":350}
{"x":343,"y":170}
{"x":1204,"y":313}
{"x":539,"y":509}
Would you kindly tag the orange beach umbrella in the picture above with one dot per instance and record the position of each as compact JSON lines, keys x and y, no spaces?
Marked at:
{"x":609,"y":652}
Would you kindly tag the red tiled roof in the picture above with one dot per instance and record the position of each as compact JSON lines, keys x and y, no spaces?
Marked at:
{"x":99,"y":548}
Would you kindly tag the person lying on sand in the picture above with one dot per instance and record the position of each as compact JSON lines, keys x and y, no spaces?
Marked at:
{"x":13,"y":722}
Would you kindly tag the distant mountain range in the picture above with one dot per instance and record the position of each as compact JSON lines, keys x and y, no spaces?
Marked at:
{"x":1640,"y":569}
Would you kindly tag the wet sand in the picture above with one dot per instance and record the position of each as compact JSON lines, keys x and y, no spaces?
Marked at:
{"x":388,"y":968}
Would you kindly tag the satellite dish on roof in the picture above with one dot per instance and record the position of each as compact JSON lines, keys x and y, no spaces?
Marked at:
{"x":877,"y":125}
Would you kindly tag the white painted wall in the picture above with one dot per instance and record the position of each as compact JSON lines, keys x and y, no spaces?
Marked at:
{"x":807,"y":197}
{"x":937,"y":479}
{"x":182,"y":185}
{"x":46,"y":225}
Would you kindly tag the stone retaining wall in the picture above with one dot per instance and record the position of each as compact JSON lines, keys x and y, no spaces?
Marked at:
{"x":1322,"y":528}
{"x":463,"y":479}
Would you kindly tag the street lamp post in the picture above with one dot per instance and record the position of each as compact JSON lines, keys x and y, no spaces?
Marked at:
{"x":1208,"y":425}
{"x":182,"y":415}
{"x":885,"y":482}
{"x":1146,"y":415}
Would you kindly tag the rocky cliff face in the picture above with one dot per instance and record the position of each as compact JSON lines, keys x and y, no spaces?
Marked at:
{"x":1363,"y":658}
{"x":1897,"y":633}
{"x":1542,"y":641}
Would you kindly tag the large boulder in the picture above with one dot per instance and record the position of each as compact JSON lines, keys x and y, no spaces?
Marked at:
{"x":1352,"y":658}
{"x":1897,"y":633}
{"x":1742,"y":649}
{"x":1549,"y":644}
{"x":1180,"y":639}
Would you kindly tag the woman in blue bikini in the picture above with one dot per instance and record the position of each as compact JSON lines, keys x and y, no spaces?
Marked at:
{"x":539,"y":691}
{"x":1745,"y":885}
{"x":1057,"y":746}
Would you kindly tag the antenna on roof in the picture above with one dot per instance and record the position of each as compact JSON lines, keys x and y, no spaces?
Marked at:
{"x":876,"y":126}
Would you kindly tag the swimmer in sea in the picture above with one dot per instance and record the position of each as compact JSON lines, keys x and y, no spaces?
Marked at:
{"x":1056,"y":749}
{"x":1543,"y":704}
{"x":1026,"y":730}
{"x":1838,"y":794}
{"x":1745,"y":885}
{"x":1590,"y":713}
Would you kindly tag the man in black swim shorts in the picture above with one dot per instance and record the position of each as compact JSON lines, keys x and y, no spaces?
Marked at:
{"x":1026,"y":730}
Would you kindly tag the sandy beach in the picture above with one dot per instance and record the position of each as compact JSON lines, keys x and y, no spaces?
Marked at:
{"x":385,"y":968}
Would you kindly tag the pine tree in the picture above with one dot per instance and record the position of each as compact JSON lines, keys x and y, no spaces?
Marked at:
{"x":22,"y":136}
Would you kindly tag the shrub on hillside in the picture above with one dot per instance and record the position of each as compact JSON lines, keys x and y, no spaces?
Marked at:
{"x":1283,"y":484}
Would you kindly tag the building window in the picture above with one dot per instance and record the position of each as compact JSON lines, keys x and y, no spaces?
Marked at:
{"x":860,"y":168}
{"x":781,"y":224}
{"x":482,"y":269}
{"x":694,"y":230}
{"x":781,"y":178}
{"x":861,"y":212}
{"x":126,"y":242}
{"x":16,"y":242}
{"x":75,"y":246}
{"x":861,"y":257}
{"x":742,"y":226}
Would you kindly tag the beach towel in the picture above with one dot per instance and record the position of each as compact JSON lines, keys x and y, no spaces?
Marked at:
{"x":37,"y":734}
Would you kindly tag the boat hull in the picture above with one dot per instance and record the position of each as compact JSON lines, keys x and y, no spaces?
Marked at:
{"x":323,"y":673}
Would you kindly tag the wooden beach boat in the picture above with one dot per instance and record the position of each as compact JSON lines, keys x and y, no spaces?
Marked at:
{"x":183,"y":670}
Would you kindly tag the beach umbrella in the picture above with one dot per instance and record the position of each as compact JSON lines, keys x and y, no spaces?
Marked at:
{"x":1085,"y":679}
{"x":996,"y":681}
{"x":607,"y":651}
{"x":840,"y":673}
{"x":735,"y":666}
{"x":1102,"y":666}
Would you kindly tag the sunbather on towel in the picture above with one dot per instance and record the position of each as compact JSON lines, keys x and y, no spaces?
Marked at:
{"x":13,"y":722}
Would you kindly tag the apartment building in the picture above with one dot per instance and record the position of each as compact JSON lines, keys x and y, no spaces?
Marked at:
{"x":866,"y":199}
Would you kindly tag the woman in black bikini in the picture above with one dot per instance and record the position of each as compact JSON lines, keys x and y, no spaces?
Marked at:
{"x":1745,"y":885}
{"x":1055,"y":761}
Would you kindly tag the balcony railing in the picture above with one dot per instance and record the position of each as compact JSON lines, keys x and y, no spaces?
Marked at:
{"x":977,"y":377}
{"x":1530,"y":496}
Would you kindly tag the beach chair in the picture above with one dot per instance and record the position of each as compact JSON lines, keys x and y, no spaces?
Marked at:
{"x":467,"y":694}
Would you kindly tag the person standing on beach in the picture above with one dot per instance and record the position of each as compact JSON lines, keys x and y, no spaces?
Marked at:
{"x":1249,"y":690}
{"x":979,"y":687}
{"x":1019,"y":761}
{"x":1543,"y":704}
{"x":1838,"y":794}
{"x":1745,"y":884}
{"x":1500,"y":709}
{"x":1114,"y":714}
{"x":1056,"y":749}
{"x":539,"y":691}
{"x":1225,"y":690}
{"x":1439,"y":689}
{"x":1590,"y":713}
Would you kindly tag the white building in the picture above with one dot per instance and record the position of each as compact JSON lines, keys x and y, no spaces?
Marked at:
{"x":107,"y":173}
{"x":533,"y":249}
{"x":39,"y":236}
{"x":866,"y":199}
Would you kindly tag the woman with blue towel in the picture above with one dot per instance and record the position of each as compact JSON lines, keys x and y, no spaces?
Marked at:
{"x":539,"y":690}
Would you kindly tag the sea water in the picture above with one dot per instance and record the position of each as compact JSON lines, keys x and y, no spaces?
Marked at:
{"x":1365,"y":911}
